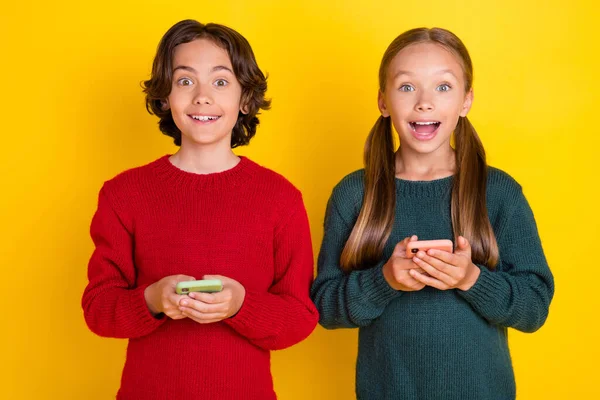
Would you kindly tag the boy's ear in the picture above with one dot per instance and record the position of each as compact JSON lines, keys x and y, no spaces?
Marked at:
{"x":467,"y":103}
{"x":164,"y":104}
{"x":381,"y":103}
{"x":244,"y":100}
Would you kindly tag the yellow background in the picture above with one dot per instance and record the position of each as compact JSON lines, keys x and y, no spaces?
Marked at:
{"x":73,"y":116}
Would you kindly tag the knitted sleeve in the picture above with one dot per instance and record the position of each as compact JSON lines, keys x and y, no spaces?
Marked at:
{"x":518,"y":292}
{"x":346,"y":300}
{"x":112,"y":303}
{"x":284,"y":315}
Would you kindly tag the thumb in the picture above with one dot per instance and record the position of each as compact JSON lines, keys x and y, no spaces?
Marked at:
{"x":220,"y":277}
{"x":183,"y":278}
{"x":463,"y":244}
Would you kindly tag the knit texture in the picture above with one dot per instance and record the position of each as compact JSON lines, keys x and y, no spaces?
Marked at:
{"x":247,"y":223}
{"x":433,"y":344}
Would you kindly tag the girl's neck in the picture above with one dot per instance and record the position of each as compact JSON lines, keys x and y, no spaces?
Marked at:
{"x":413,"y":166}
{"x":204,"y":161}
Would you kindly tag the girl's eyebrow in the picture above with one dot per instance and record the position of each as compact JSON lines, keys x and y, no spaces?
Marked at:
{"x":192,"y":70}
{"x":440,"y":72}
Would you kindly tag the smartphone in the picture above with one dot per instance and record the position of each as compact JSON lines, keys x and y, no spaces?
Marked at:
{"x":413,"y":248}
{"x":204,"y":285}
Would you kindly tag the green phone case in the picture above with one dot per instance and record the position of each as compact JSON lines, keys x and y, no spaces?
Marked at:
{"x":205,"y":285}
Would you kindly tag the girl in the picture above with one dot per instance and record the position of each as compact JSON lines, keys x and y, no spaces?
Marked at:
{"x":201,"y":213}
{"x":433,"y":326}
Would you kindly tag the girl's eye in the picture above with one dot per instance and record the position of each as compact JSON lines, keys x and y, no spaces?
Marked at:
{"x":407,"y":88}
{"x":443,"y":88}
{"x":221,"y":83}
{"x":185,"y":82}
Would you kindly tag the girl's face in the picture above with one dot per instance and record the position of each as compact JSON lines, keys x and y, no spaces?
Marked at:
{"x":425,"y":95}
{"x":205,"y":95}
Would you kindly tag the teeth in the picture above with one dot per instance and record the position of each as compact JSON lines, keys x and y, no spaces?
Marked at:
{"x":204,"y":117}
{"x":424,"y":123}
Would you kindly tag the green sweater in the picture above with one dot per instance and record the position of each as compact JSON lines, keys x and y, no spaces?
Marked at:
{"x":433,"y":344}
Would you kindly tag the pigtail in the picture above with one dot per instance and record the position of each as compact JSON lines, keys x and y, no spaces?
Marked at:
{"x":469,"y":211}
{"x":374,"y":224}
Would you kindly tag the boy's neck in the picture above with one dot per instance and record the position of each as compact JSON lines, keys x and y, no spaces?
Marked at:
{"x":204,"y":161}
{"x":424,"y":167}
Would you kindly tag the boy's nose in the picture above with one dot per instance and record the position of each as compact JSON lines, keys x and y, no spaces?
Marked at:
{"x":202,"y":96}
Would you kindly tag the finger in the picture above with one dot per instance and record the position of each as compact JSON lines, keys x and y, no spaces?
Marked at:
{"x":441,"y":255}
{"x":407,"y":282}
{"x":434,"y":262}
{"x":226,"y":281}
{"x":198,"y":316}
{"x":220,"y":277}
{"x":175,"y":299}
{"x":183,"y":278}
{"x":434,"y":271}
{"x":421,"y":271}
{"x":224,"y":296}
{"x":409,"y":239}
{"x":174,"y":313}
{"x":400,"y":248}
{"x":201,"y":307}
{"x":463,"y":245}
{"x":208,"y":298}
{"x":428,"y":280}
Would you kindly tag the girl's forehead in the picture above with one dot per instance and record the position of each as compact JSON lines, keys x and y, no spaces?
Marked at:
{"x":425,"y":59}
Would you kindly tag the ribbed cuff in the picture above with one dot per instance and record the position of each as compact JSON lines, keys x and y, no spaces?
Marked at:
{"x":143,"y":319}
{"x":376,"y":288}
{"x":249,"y":315}
{"x":484,"y":293}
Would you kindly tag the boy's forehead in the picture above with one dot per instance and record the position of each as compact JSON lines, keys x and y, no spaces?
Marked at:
{"x":200,"y":52}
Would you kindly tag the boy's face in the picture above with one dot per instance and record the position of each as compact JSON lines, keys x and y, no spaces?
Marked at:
{"x":205,"y":94}
{"x":425,"y":95}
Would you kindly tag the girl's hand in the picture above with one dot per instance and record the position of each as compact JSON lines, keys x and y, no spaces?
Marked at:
{"x":396,"y":269}
{"x":447,"y":270}
{"x":161,"y":297}
{"x":206,"y":308}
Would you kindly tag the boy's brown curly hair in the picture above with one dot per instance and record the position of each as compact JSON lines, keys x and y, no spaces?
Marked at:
{"x":245,"y":68}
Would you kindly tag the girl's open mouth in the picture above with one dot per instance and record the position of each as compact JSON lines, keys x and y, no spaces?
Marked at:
{"x":424,"y":130}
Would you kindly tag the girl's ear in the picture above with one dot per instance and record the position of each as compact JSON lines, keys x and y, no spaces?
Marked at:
{"x":381,"y":103}
{"x":244,"y":109}
{"x":164,"y":104}
{"x":467,"y":103}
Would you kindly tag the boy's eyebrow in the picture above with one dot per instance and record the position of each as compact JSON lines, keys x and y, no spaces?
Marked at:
{"x":221,"y":68}
{"x":442,"y":71}
{"x":214,"y":69}
{"x":185,"y":68}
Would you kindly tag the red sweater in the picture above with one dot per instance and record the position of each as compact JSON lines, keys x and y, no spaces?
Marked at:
{"x":247,"y":223}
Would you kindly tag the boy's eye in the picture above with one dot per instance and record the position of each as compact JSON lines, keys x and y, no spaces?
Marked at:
{"x":221,"y":82}
{"x":443,"y":88}
{"x":185,"y":82}
{"x":406,"y":88}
